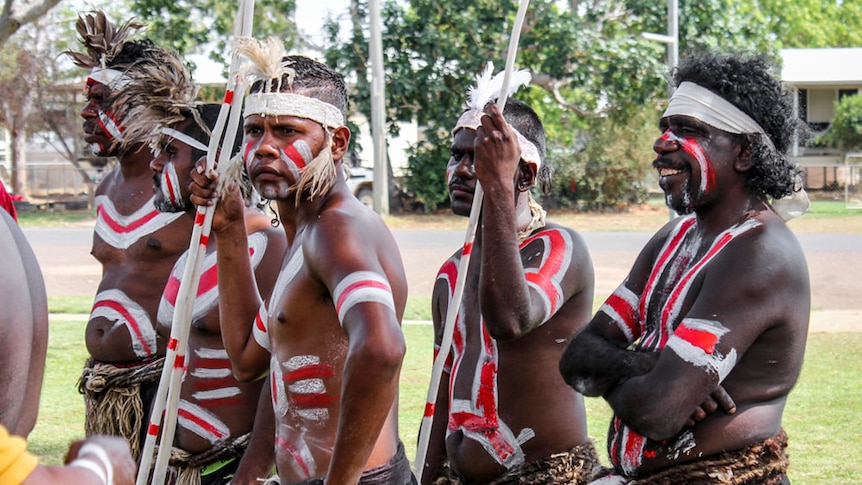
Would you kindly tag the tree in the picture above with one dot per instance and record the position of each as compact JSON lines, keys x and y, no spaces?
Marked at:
{"x":189,"y":25}
{"x":845,"y":132}
{"x":814,"y":23}
{"x":588,"y":62}
{"x":15,"y":16}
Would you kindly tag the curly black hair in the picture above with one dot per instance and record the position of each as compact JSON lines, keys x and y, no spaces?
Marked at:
{"x":747,"y":81}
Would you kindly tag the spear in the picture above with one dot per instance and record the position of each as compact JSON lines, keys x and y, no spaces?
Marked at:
{"x":455,"y":303}
{"x":167,"y":397}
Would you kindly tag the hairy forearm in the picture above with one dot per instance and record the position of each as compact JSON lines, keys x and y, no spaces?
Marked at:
{"x":593,"y":365}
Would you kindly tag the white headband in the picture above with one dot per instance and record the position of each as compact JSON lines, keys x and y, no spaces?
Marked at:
{"x":110,"y":77}
{"x":289,"y":104}
{"x":178,"y":135}
{"x":472,"y":119}
{"x":689,"y":99}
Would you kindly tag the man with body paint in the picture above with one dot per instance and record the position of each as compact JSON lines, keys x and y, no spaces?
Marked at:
{"x":216,"y":411}
{"x":136,"y":244}
{"x":330,"y":335}
{"x":697,"y":350}
{"x":503,"y":414}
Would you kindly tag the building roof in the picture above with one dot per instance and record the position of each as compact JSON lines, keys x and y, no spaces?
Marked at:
{"x":828,"y":66}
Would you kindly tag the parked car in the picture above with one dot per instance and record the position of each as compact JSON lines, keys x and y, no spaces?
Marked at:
{"x":361,"y":183}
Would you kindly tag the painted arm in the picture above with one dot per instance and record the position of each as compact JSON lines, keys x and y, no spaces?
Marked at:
{"x":723,"y":322}
{"x":94,"y":461}
{"x":369,"y":304}
{"x":436,"y":456}
{"x":511,"y":306}
{"x":239,"y":298}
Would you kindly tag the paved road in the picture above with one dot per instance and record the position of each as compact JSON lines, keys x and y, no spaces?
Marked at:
{"x":834,"y":260}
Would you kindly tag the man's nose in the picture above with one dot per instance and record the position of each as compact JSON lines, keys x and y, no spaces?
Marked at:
{"x":88,"y":110}
{"x":667,"y":142}
{"x":157,"y":164}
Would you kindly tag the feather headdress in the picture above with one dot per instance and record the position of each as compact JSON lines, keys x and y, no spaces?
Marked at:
{"x":101,"y":39}
{"x":159,"y":94}
{"x":265,"y":62}
{"x":487,"y":90}
{"x":488,"y":86}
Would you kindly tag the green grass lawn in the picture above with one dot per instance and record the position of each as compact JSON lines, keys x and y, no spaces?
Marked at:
{"x":821,"y":417}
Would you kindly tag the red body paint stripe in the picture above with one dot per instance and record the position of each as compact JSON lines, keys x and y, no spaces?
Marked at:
{"x":207,"y":363}
{"x":625,"y":310}
{"x":214,"y":383}
{"x":226,"y":401}
{"x":315,"y":400}
{"x":200,"y":422}
{"x":359,"y":284}
{"x":283,"y":444}
{"x":132,"y":322}
{"x":294,"y":155}
{"x":699,"y":338}
{"x":117,"y":227}
{"x":313,"y":371}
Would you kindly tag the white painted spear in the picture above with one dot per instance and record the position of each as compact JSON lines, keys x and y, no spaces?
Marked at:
{"x":167,"y":397}
{"x":455,"y":302}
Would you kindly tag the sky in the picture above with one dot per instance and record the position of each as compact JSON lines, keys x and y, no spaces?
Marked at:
{"x":310,"y":17}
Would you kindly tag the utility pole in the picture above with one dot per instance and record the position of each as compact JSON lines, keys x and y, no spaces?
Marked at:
{"x":672,"y":36}
{"x":672,"y":41}
{"x":378,"y":111}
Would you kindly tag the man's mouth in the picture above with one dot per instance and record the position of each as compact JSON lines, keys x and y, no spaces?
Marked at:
{"x":667,"y":171}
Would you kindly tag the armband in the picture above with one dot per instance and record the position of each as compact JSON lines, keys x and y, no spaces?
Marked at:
{"x":97,"y":456}
{"x":362,"y":287}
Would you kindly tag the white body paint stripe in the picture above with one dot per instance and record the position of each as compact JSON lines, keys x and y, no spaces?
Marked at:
{"x":129,"y":229}
{"x":222,"y":393}
{"x":201,"y":422}
{"x":115,"y":305}
{"x":362,"y":287}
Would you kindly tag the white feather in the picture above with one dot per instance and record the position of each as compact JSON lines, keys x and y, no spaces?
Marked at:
{"x":488,"y":87}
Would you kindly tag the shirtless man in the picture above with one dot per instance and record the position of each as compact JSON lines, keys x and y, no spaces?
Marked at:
{"x":216,"y":411}
{"x":136,"y":244}
{"x":330,"y":335}
{"x":23,"y":330}
{"x":717,"y":301}
{"x":503,"y":414}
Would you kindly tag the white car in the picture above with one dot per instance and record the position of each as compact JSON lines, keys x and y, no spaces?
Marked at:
{"x":361,"y":183}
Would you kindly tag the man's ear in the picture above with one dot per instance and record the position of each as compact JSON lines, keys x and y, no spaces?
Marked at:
{"x":744,"y":161}
{"x":526,"y":176}
{"x":340,"y":142}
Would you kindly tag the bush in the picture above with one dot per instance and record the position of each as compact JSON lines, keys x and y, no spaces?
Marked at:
{"x":845,"y":132}
{"x":426,"y":169}
{"x":611,"y":169}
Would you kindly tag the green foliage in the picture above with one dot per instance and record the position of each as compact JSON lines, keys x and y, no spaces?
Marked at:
{"x":426,"y":169}
{"x":845,"y":132}
{"x":814,"y":23}
{"x":610,"y":169}
{"x":185,"y":25}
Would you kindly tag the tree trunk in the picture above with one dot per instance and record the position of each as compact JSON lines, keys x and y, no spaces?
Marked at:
{"x":19,"y":162}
